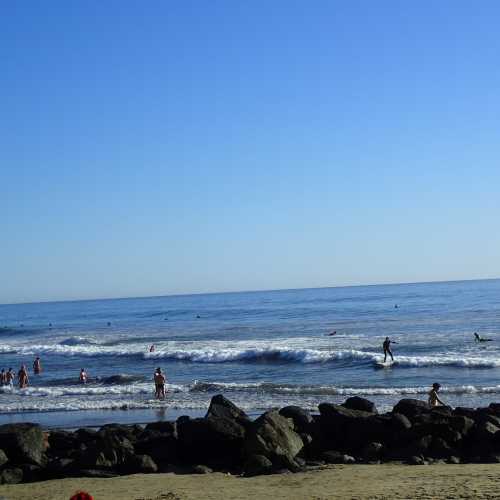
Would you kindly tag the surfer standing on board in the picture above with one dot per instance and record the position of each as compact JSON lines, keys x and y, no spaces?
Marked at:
{"x":387,"y":348}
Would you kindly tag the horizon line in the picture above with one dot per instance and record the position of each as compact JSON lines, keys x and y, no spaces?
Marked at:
{"x":244,"y":291}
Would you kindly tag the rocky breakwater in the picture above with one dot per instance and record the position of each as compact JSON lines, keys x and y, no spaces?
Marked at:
{"x":226,"y":439}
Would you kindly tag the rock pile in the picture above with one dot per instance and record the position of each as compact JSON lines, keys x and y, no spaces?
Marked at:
{"x":226,"y":439}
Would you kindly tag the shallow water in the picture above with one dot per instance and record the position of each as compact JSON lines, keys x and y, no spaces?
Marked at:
{"x":261,"y":349}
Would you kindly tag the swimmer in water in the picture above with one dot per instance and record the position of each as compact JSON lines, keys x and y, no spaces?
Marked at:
{"x":83,"y":376}
{"x":37,"y":366}
{"x":23,"y":377}
{"x":331,"y":334}
{"x":152,"y":348}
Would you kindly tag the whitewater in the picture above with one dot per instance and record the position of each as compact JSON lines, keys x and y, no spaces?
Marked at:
{"x":260,"y":349}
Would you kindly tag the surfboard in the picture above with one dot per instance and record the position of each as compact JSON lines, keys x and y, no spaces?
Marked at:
{"x":381,"y":364}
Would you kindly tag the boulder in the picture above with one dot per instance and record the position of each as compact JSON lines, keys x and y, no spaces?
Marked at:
{"x":257,"y":465}
{"x":106,"y":452}
{"x":139,"y":464}
{"x":440,"y":449}
{"x":23,"y":443}
{"x":11,"y":476}
{"x":32,"y":473}
{"x":357,"y":403}
{"x":221,"y":407}
{"x":62,"y":442}
{"x":201,"y":469}
{"x":411,"y":408}
{"x":213,"y":441}
{"x":130,"y":432}
{"x":461,"y":424}
{"x":495,"y":408}
{"x":372,"y":452}
{"x":416,"y":460}
{"x":85,"y":435}
{"x":272,"y":436}
{"x":400,"y":422}
{"x":166,"y":428}
{"x":336,"y":457}
{"x":161,"y":447}
{"x":3,"y":458}
{"x":302,"y":419}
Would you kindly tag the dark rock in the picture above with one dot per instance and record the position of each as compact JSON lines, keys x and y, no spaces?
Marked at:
{"x":214,"y":441}
{"x":3,"y":458}
{"x":86,"y":435}
{"x":11,"y":476}
{"x":130,"y":432}
{"x":257,"y":465}
{"x":415,"y":460}
{"x":485,"y":431}
{"x":32,"y":473}
{"x":315,"y":463}
{"x":161,"y":447}
{"x":495,"y":408}
{"x":418,"y":447}
{"x":139,"y":464}
{"x":62,"y":442}
{"x":60,"y":466}
{"x":453,"y":460}
{"x":400,"y":422}
{"x":357,"y":403}
{"x":221,"y":407}
{"x":272,"y":435}
{"x":440,"y":448}
{"x":168,"y":428}
{"x":411,"y":408}
{"x":201,"y":469}
{"x":301,"y":418}
{"x":336,"y":457}
{"x":372,"y":451}
{"x":23,"y":443}
{"x":465,"y":412}
{"x":461,"y":424}
{"x":106,"y":452}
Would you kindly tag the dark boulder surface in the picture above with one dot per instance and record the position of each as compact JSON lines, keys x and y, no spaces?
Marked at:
{"x":257,"y":465}
{"x":357,"y":403}
{"x":23,"y":443}
{"x":273,"y":436}
{"x":302,"y":419}
{"x":11,"y":476}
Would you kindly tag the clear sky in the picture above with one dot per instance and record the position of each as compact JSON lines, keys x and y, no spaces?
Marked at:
{"x":159,"y":147}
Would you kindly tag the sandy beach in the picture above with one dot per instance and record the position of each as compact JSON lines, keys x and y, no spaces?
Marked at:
{"x":391,"y":481}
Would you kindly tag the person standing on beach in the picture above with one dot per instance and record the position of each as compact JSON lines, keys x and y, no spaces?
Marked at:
{"x":159,"y":380}
{"x":433,"y":396}
{"x":37,"y":366}
{"x":387,"y":348}
{"x":23,"y":377}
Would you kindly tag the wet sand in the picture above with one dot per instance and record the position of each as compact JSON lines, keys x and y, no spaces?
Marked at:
{"x":390,"y":481}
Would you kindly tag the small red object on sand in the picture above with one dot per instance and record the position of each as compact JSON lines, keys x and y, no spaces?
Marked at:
{"x":82,"y":495}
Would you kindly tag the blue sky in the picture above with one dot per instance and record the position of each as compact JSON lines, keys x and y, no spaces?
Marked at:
{"x":161,"y":147}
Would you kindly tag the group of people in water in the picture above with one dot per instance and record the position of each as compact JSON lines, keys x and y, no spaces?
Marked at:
{"x":7,"y":377}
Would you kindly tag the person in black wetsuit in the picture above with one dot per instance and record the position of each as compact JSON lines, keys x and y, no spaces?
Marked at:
{"x":477,"y":338}
{"x":387,"y":348}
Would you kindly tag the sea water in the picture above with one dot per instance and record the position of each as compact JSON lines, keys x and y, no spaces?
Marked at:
{"x":260,"y":349}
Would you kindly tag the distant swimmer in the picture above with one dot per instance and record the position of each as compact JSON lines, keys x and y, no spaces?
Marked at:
{"x":387,"y":348}
{"x":331,"y":334}
{"x":22,"y":375}
{"x":477,"y":338}
{"x":3,"y":377}
{"x":152,"y":348}
{"x":37,"y":366}
{"x":159,"y":380}
{"x":83,"y":376}
{"x":396,"y":306}
{"x":433,"y":396}
{"x":198,"y":316}
{"x":109,"y":323}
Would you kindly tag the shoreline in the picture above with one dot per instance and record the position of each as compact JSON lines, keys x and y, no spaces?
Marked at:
{"x":385,"y":481}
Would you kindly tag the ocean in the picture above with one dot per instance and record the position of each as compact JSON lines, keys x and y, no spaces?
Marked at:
{"x":260,"y":349}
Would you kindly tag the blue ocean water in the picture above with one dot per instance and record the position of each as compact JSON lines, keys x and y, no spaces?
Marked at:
{"x":260,"y":349}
